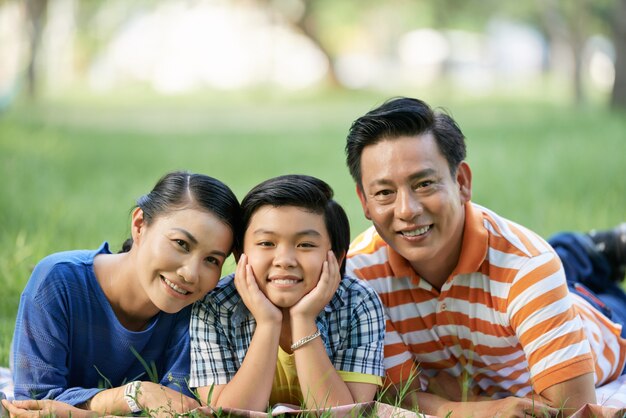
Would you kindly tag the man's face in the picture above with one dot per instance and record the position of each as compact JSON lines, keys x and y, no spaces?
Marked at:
{"x":414,"y":202}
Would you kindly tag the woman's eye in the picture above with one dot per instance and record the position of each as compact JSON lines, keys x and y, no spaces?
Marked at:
{"x":213,"y":260}
{"x":183,"y":244}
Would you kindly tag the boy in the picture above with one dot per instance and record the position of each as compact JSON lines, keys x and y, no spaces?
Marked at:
{"x":288,"y":327}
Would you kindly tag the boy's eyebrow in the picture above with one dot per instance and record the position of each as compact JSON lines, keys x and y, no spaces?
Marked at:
{"x":305,"y":232}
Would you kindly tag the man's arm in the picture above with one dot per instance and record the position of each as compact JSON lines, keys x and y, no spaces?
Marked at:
{"x":572,"y":394}
{"x":410,"y":397}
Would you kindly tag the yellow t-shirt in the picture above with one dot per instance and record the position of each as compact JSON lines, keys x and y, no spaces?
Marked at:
{"x":286,"y":387}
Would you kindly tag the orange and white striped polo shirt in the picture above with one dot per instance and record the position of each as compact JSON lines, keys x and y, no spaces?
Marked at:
{"x":505,"y":316}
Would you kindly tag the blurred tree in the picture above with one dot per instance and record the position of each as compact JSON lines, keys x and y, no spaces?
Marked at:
{"x":618,"y":98}
{"x":36,"y":11}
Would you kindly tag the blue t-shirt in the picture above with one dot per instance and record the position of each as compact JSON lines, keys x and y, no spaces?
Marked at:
{"x":68,"y":344}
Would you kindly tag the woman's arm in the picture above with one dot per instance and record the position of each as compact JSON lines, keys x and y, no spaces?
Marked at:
{"x":154,"y":398}
{"x":41,"y":347}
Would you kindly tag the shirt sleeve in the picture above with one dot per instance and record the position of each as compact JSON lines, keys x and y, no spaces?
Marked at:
{"x":362,"y":351}
{"x":547,"y":326}
{"x":41,"y":340}
{"x":213,"y":360}
{"x":176,"y":363}
{"x":399,"y":364}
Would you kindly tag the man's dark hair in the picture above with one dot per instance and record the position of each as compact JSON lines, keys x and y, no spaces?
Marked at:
{"x":404,"y":116}
{"x":304,"y":192}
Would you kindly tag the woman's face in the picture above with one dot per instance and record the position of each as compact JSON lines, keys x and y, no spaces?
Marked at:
{"x":286,"y":247}
{"x":180,"y":256}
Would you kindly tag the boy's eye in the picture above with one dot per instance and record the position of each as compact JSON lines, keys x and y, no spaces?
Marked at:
{"x":307,"y":245}
{"x":265,"y":244}
{"x":183,"y":244}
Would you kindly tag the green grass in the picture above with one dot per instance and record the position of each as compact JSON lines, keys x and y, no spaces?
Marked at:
{"x":72,"y":167}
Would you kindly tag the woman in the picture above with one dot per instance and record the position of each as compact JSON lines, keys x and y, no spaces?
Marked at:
{"x":109,"y":332}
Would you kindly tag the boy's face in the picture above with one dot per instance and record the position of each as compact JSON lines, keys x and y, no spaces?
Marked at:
{"x":286,"y":247}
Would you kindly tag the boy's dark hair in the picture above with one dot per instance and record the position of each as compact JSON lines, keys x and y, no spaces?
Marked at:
{"x":180,"y":189}
{"x":305,"y":192}
{"x":404,"y":117}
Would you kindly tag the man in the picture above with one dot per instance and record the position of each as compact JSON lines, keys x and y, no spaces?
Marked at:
{"x":479,"y":317}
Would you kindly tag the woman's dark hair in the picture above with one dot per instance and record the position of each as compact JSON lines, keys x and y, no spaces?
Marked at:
{"x":180,"y":189}
{"x":404,"y":116}
{"x":305,"y":192}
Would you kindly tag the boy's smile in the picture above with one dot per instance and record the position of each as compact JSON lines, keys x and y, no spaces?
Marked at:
{"x":286,"y":247}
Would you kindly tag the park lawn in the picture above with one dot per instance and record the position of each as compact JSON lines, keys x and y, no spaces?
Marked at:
{"x":73,"y":167}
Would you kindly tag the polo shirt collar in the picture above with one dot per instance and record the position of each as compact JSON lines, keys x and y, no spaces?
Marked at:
{"x":473,"y":250}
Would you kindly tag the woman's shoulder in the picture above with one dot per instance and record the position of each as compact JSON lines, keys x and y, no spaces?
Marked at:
{"x":73,"y":264}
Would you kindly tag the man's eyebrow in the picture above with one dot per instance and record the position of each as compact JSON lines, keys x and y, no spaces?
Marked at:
{"x":427,"y":172}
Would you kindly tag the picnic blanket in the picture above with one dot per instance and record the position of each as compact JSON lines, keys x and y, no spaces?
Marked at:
{"x":611,"y":404}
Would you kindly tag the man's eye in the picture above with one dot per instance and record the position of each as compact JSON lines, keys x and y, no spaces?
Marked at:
{"x":424,"y":184}
{"x":183,"y":244}
{"x":384,"y":195}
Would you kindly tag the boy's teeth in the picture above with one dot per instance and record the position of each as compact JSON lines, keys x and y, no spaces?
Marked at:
{"x":416,"y":232}
{"x":176,"y":288}
{"x":285,"y":281}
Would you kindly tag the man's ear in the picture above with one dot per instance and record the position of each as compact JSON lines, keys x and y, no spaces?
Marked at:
{"x":464,"y":180}
{"x":363,"y":199}
{"x":137,"y":225}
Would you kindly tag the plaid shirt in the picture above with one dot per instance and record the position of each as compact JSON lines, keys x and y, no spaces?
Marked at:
{"x":351,"y":325}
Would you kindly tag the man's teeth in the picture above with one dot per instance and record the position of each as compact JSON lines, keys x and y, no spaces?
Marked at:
{"x":176,"y":288}
{"x":416,"y":232}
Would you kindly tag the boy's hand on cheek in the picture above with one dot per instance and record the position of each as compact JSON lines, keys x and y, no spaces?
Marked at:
{"x":313,"y":302}
{"x":259,"y":305}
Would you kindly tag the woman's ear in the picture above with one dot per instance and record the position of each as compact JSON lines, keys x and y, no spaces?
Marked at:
{"x":137,"y":225}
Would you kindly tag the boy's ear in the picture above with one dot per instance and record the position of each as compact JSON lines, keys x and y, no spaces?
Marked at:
{"x":341,"y":258}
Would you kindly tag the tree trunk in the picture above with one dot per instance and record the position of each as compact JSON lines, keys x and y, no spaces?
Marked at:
{"x":36,"y":15}
{"x":618,"y":98}
{"x":308,"y":25}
